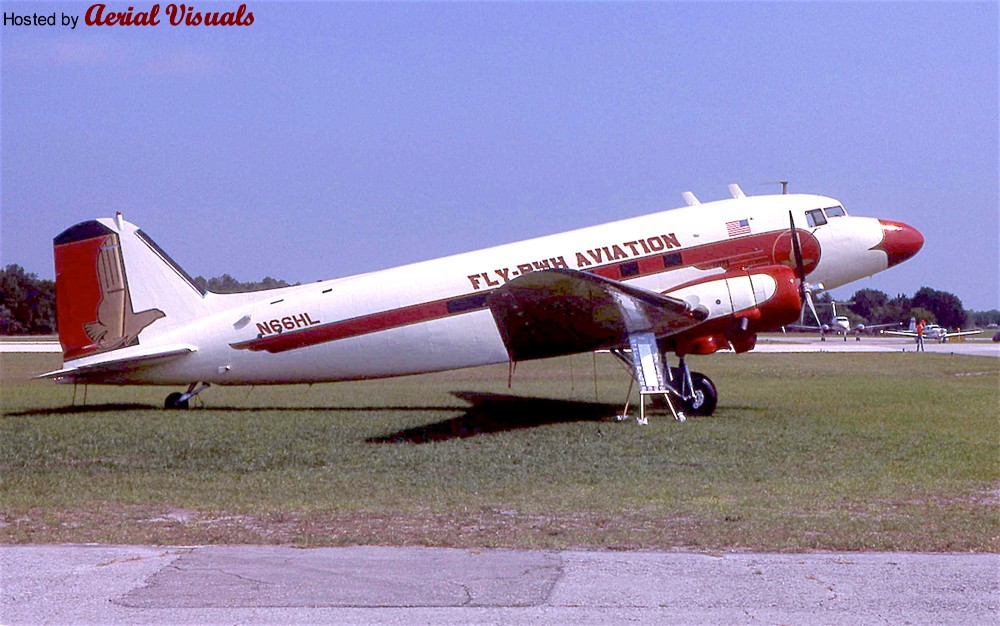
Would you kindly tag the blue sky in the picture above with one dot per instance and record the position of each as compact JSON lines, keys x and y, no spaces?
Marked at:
{"x":329,"y":139}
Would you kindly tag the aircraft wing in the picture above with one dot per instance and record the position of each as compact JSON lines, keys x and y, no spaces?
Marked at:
{"x":877,"y":326}
{"x":801,"y":327}
{"x":117,"y":369}
{"x":963,"y":333}
{"x":949,"y":334}
{"x":562,"y":311}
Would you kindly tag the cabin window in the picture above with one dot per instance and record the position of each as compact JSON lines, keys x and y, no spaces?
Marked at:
{"x":835,"y":211}
{"x":815,"y":218}
{"x":467,"y":303}
{"x":629,"y":269}
{"x":671,"y":260}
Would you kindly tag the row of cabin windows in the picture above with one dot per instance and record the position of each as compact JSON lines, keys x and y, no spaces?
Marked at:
{"x":628,"y":269}
{"x":816,"y":217}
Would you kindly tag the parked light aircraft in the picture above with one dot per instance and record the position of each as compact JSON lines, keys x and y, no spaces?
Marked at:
{"x":933,"y":332}
{"x":691,"y":280}
{"x":840,"y":325}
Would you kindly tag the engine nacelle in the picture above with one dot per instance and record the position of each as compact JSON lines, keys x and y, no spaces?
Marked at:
{"x":740,"y":304}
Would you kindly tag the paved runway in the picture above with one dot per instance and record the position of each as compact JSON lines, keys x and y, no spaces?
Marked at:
{"x":806,"y":343}
{"x":67,"y":584}
{"x":29,"y":345}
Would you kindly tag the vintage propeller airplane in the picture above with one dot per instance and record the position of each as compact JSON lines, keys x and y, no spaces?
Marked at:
{"x":692,"y":280}
{"x":933,"y":332}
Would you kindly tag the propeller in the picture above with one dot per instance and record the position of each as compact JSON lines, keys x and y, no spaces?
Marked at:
{"x":805,"y":289}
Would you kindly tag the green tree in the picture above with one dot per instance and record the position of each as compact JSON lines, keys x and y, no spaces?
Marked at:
{"x":228,"y":284}
{"x":982,"y":319}
{"x":867,"y":302}
{"x":895,"y":310}
{"x":27,"y":303}
{"x":946,"y":307}
{"x":920,"y":313}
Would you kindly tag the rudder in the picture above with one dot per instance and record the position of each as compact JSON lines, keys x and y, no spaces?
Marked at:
{"x":95,"y":301}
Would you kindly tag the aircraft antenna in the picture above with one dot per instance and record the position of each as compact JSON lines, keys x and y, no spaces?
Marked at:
{"x":783,"y":183}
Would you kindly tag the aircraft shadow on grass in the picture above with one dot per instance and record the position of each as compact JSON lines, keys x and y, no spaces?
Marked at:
{"x":488,"y":413}
{"x":130,"y":407}
{"x":82,"y":408}
{"x":494,"y":413}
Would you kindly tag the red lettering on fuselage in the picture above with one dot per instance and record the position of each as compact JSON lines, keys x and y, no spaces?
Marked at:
{"x":598,"y":256}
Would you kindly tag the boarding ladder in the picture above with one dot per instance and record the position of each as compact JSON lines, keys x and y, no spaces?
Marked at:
{"x":647,"y":364}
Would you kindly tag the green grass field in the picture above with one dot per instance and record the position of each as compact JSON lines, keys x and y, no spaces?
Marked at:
{"x":806,"y":452}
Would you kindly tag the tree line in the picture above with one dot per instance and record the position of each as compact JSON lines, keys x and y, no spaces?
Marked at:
{"x":28,"y":303}
{"x":872,"y":306}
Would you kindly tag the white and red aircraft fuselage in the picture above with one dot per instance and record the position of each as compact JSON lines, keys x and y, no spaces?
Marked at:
{"x":697,"y":279}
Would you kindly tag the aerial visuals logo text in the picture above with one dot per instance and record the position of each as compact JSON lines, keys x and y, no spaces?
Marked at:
{"x":176,"y":15}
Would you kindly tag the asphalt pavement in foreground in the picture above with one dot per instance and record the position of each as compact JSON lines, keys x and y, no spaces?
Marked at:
{"x":96,"y":584}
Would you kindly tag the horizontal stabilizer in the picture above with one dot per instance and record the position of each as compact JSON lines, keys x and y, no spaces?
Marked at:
{"x":561,"y":311}
{"x":125,"y":361}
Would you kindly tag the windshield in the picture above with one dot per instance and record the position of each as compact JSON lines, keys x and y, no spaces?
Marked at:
{"x":815,"y":218}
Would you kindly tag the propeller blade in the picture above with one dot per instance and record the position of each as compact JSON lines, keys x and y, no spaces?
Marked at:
{"x":800,"y":268}
{"x":805,"y":290}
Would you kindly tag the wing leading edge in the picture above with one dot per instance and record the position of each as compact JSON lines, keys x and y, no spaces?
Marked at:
{"x":561,"y":311}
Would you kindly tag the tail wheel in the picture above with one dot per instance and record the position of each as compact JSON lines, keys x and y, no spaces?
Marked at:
{"x":174,"y":401}
{"x":704,"y":398}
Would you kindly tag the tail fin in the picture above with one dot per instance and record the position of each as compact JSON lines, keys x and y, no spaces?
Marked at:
{"x":113,"y":284}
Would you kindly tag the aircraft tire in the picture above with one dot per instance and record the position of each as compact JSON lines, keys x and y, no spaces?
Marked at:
{"x":706,"y":396}
{"x":705,"y":400}
{"x":174,"y":401}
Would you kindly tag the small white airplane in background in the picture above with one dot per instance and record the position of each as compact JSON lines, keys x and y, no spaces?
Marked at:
{"x":932,"y":332}
{"x":691,"y":280}
{"x":839,"y":325}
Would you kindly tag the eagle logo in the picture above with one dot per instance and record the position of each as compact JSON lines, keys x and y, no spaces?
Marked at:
{"x":117,"y":324}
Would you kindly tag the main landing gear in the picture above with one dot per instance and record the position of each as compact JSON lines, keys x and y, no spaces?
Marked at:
{"x":682,"y":391}
{"x":178,"y":400}
{"x":696,"y":392}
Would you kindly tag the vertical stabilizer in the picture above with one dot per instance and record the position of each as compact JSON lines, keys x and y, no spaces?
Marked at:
{"x":114,"y":284}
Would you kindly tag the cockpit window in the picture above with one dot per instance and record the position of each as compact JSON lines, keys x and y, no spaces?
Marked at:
{"x":836,"y":211}
{"x":815,"y":218}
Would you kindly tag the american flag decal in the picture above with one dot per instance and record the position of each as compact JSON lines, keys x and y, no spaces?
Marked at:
{"x":737,"y":228}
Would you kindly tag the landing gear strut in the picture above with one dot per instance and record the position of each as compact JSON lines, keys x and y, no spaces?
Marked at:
{"x":693,"y":393}
{"x":696,"y":391}
{"x":178,"y":400}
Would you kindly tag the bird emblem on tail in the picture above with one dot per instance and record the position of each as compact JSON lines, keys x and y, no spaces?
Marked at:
{"x":117,"y":324}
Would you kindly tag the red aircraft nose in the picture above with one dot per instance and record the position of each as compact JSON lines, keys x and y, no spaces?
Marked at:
{"x":899,"y":241}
